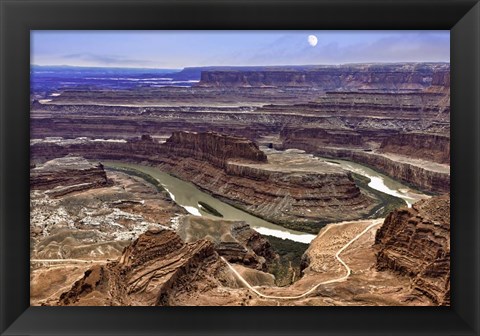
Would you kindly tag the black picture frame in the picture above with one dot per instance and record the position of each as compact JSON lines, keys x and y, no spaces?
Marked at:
{"x":18,"y":17}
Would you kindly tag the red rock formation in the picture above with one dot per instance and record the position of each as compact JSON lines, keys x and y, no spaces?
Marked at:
{"x":416,"y":243}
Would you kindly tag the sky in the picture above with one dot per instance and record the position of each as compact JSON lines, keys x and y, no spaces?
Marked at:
{"x":179,"y":49}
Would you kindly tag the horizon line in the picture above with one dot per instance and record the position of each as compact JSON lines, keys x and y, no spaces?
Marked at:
{"x":232,"y":66}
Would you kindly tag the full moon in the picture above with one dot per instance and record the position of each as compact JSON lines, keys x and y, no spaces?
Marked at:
{"x":312,"y":40}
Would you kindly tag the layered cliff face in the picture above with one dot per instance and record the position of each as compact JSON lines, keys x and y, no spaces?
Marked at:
{"x":68,"y":174}
{"x":289,"y":189}
{"x":71,"y":231}
{"x":215,"y":148}
{"x":400,"y":109}
{"x":405,"y":135}
{"x":297,"y":137}
{"x":430,"y":147}
{"x":418,"y":104}
{"x":371,"y":112}
{"x":415,"y":242}
{"x":362,"y":76}
{"x":368,"y":117}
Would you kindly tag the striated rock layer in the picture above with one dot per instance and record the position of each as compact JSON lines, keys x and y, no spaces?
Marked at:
{"x":281,"y":190}
{"x":149,"y":271}
{"x":431,"y":147}
{"x":68,"y":174}
{"x":160,"y":269}
{"x":415,"y":242}
{"x":213,"y":147}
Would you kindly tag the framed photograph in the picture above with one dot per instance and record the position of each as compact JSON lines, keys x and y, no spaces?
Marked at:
{"x":232,"y":168}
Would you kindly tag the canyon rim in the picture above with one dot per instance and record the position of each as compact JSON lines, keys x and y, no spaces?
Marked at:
{"x":290,"y":174}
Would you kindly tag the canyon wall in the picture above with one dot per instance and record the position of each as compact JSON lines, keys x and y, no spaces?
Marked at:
{"x":415,"y":242}
{"x":420,"y":177}
{"x":440,"y":82}
{"x":361,"y":76}
{"x":367,"y":112}
{"x":370,"y":101}
{"x":432,"y":147}
{"x":403,"y":135}
{"x":213,"y":147}
{"x":366,"y":119}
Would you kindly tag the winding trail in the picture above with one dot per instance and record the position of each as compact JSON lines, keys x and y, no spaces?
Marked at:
{"x":337,"y":256}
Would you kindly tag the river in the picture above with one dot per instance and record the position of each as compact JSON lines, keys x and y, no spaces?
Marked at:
{"x":378,"y":181}
{"x":188,"y":196}
{"x":382,"y":182}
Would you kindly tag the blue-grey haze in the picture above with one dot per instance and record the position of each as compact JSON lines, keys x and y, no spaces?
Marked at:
{"x":179,"y":49}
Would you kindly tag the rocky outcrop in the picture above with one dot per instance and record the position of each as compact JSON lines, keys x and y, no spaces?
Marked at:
{"x":432,"y":147}
{"x":235,"y":241}
{"x":152,"y":269}
{"x":214,"y":147}
{"x":360,"y":76}
{"x":415,"y":242}
{"x":68,"y":174}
